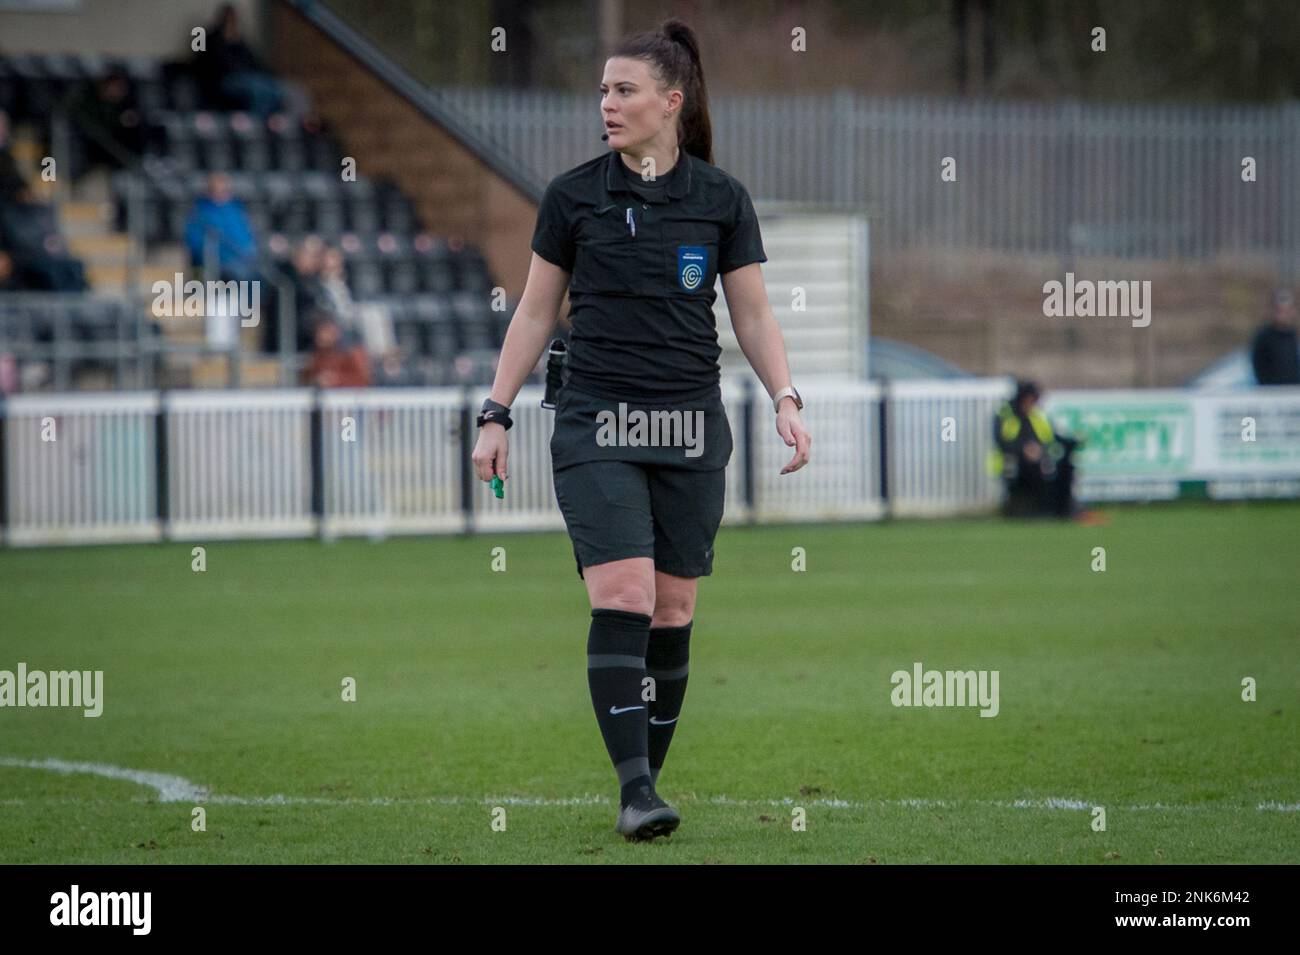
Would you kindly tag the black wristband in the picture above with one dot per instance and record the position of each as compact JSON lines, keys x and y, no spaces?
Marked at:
{"x":491,"y":415}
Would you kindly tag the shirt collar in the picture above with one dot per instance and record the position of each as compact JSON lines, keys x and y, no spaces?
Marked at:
{"x":677,"y":189}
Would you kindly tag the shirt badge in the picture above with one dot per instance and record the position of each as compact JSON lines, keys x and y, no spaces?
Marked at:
{"x":692,"y":266}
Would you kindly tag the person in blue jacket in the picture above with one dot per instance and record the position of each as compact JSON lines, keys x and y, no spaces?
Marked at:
{"x":220,"y":222}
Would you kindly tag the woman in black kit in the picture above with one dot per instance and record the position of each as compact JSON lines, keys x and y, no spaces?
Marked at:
{"x":639,"y":236}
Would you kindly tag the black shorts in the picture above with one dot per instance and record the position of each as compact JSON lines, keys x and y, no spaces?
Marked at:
{"x":618,"y":509}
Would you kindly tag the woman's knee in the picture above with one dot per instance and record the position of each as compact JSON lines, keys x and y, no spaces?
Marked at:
{"x":622,"y":585}
{"x":674,"y":604}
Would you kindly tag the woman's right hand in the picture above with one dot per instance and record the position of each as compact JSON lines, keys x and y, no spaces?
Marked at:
{"x":490,"y":452}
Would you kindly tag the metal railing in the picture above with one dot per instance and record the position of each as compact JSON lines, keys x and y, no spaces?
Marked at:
{"x":1061,"y":178}
{"x":65,"y":330}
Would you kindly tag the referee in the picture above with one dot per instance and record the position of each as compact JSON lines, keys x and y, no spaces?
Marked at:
{"x":639,"y":235}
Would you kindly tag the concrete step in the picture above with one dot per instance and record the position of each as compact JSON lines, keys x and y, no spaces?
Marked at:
{"x":43,"y":191}
{"x":168,"y":258}
{"x":27,"y":152}
{"x":116,"y":275}
{"x":160,"y":272}
{"x":182,"y":329}
{"x":213,"y":371}
{"x":83,"y":218}
{"x":110,"y":248}
{"x":106,"y":277}
{"x":94,"y":186}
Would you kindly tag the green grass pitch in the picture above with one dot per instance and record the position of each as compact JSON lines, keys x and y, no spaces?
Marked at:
{"x":1120,"y":689}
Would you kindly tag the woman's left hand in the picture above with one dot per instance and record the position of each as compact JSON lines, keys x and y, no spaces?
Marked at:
{"x":790,"y":427}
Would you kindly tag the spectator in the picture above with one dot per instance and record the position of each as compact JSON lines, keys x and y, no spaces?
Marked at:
{"x":219,"y":220}
{"x":108,"y":113}
{"x":8,"y":273}
{"x":1035,"y":461}
{"x":218,"y":225}
{"x":336,"y":295}
{"x":231,"y":75}
{"x":1275,"y":353}
{"x":29,"y":230}
{"x":12,"y":183}
{"x":370,"y":322}
{"x":335,"y":363}
{"x":303,"y":274}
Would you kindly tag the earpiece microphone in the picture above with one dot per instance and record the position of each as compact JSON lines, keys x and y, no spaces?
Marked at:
{"x":604,"y":136}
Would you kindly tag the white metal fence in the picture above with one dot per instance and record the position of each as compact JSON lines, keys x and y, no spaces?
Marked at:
{"x":80,"y":468}
{"x":237,"y":464}
{"x":940,"y":442}
{"x":391,"y":461}
{"x":843,"y":417}
{"x":87,"y":468}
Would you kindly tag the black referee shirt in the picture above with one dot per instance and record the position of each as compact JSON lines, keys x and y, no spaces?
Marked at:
{"x":643,"y":258}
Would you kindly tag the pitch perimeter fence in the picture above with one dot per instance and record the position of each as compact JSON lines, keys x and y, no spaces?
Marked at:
{"x":199,"y":465}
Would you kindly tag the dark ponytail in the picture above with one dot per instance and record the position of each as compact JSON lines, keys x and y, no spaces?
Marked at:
{"x":673,"y":53}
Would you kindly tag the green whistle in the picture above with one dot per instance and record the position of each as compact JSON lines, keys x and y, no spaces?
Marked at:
{"x":498,"y":486}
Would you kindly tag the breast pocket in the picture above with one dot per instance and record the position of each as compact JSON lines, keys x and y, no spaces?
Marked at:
{"x":609,"y":258}
{"x":692,"y":262}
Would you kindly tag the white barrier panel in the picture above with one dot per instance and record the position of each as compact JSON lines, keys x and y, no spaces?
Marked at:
{"x":391,"y":461}
{"x":238,"y":464}
{"x":940,"y":434}
{"x":1146,"y":445}
{"x":81,"y":468}
{"x":734,"y":508}
{"x":842,"y":479}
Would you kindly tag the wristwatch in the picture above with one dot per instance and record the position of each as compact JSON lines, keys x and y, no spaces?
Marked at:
{"x":784,"y":392}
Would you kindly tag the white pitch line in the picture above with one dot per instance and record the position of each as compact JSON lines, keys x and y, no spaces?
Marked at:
{"x":178,"y":789}
{"x":170,"y":788}
{"x":1279,"y":807}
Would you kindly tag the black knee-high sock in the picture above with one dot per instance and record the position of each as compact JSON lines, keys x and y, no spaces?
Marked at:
{"x":666,"y":659}
{"x":615,"y":668}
